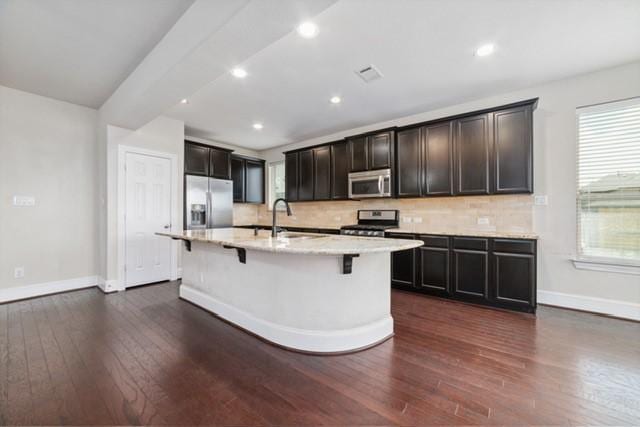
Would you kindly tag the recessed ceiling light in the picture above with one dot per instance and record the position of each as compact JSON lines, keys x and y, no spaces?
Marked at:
{"x":257,"y":126}
{"x":308,"y":29}
{"x":335,"y":100}
{"x":184,"y":101}
{"x":485,"y":49}
{"x":239,"y":73}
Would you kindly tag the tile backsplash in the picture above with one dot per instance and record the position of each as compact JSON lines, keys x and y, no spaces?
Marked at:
{"x":505,"y":213}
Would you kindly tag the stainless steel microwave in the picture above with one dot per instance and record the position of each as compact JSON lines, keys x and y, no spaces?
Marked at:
{"x":370,"y":184}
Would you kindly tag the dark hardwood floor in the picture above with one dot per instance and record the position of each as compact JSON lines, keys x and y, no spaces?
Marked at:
{"x":146,"y":357}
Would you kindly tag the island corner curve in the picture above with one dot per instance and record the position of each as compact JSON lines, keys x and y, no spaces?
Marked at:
{"x":293,"y":291}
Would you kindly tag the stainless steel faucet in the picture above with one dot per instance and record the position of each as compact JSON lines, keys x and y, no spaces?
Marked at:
{"x":274,"y":228}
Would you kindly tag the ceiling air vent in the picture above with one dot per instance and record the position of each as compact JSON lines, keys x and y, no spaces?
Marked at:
{"x":369,"y":73}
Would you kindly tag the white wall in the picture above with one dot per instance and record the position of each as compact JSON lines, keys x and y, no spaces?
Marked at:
{"x":48,"y":150}
{"x":163,"y":135}
{"x":555,"y":160}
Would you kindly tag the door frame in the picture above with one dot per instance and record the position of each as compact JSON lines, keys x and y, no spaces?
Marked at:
{"x":123,"y":150}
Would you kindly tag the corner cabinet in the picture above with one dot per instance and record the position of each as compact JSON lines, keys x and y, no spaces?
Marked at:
{"x":513,"y":150}
{"x":248,"y":175}
{"x":496,"y":272}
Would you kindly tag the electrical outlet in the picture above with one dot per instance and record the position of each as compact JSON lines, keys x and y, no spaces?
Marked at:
{"x":18,"y":272}
{"x":541,"y":200}
{"x":483,"y":220}
{"x":417,"y":219}
{"x":406,"y":219}
{"x":24,"y":201}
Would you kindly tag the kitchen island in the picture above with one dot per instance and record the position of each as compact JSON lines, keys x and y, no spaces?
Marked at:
{"x":313,"y":293}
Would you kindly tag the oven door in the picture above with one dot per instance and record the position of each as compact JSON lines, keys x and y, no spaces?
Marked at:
{"x":370,"y":184}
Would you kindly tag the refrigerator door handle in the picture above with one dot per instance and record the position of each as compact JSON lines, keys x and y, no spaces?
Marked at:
{"x":209,"y":211}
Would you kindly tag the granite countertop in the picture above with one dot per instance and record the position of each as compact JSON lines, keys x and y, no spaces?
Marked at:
{"x":470,"y":233}
{"x":295,"y":243}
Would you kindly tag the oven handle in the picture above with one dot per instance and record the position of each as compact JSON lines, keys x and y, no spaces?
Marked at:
{"x":380,"y":185}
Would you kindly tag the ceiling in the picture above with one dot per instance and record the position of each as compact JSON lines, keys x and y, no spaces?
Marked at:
{"x":79,"y":51}
{"x":425,"y":50}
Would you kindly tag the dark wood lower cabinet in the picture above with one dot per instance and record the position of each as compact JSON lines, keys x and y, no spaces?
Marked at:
{"x":471,"y":274}
{"x":403,"y":264}
{"x":490,"y":271}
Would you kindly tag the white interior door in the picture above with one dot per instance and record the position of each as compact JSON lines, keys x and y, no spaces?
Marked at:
{"x":147,"y":211}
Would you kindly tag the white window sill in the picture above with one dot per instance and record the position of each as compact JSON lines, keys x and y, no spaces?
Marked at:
{"x":608,"y":266}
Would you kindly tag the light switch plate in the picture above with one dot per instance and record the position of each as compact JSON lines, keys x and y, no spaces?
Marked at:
{"x":541,"y":200}
{"x":24,"y":201}
{"x":406,"y":219}
{"x":417,"y":219}
{"x":483,"y":220}
{"x":18,"y":272}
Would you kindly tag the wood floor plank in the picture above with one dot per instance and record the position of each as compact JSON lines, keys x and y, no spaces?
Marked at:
{"x":146,"y":357}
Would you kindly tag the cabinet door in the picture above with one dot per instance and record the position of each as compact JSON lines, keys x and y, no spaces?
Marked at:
{"x":381,"y":150}
{"x":434,"y":270}
{"x":513,"y":150}
{"x":291,"y":176}
{"x":196,"y":159}
{"x":403,"y":264}
{"x":359,"y":154}
{"x":339,"y":171}
{"x":470,"y":274}
{"x":305,"y":175}
{"x":472,"y":143}
{"x":322,"y":173}
{"x":438,"y":159}
{"x":254,"y":188}
{"x":409,"y":170}
{"x":514,"y":279}
{"x":220,"y":166}
{"x":238,"y":177}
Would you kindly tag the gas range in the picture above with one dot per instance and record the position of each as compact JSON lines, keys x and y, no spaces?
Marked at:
{"x":372,"y":223}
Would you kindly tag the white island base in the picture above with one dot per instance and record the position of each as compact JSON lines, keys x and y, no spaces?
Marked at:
{"x":301,"y":302}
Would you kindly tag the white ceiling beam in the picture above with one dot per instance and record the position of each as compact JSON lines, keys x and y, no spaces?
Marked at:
{"x":209,"y":39}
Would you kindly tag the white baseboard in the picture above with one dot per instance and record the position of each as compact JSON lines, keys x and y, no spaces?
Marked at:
{"x":40,"y":289}
{"x":108,"y":286}
{"x":625,"y":310}
{"x":333,"y":341}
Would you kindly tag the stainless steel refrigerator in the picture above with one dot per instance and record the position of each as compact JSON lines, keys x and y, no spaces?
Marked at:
{"x":208,"y":202}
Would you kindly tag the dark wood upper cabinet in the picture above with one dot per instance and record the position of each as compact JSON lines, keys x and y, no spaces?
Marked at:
{"x":254,"y":181}
{"x":339,"y":171}
{"x":238,"y":177}
{"x":220,"y":165}
{"x":409,"y":164}
{"x":381,"y":150}
{"x":196,"y":159}
{"x":359,"y":153}
{"x":438,"y":159}
{"x":305,"y":175}
{"x":291,"y":176}
{"x":248,"y":179}
{"x":513,"y":150}
{"x":322,"y":173}
{"x":472,"y":144}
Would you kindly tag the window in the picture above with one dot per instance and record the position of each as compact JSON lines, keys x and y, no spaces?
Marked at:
{"x":608,"y":199}
{"x":276,"y":183}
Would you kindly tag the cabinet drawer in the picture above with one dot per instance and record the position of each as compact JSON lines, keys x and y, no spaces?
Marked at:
{"x":514,"y":246}
{"x":472,"y":243}
{"x":435,"y":241}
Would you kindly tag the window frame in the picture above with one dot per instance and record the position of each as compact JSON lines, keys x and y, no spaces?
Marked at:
{"x":270,"y":188}
{"x":582,"y":260}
